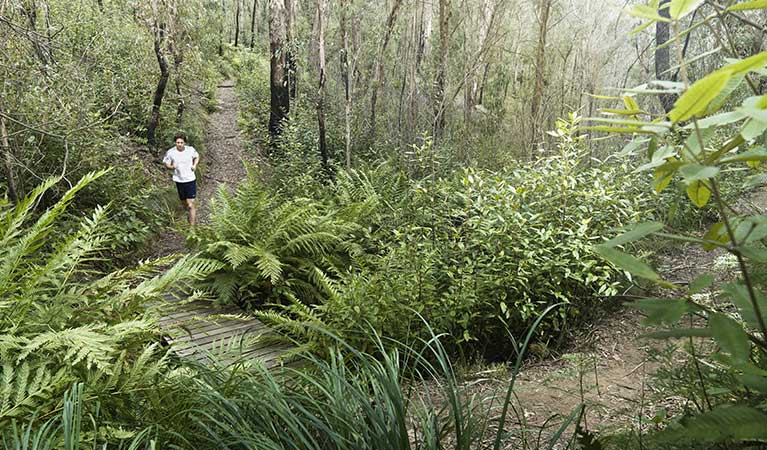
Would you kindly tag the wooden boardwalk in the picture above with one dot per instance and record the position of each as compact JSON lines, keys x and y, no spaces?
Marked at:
{"x":202,"y":331}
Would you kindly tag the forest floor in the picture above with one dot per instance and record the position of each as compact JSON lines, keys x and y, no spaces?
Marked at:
{"x":608,"y":366}
{"x":222,"y":164}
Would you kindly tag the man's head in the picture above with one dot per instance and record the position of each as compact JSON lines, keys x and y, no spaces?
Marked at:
{"x":180,"y":139}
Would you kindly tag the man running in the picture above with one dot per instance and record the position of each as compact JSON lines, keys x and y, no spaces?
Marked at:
{"x":183,"y":159}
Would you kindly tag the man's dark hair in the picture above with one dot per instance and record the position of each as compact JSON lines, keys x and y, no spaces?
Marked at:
{"x":179,"y":136}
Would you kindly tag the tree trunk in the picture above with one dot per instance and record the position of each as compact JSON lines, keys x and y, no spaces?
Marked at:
{"x":662,"y":62}
{"x":321,"y":88}
{"x":13,"y":192}
{"x":253,"y":29}
{"x":346,"y":81}
{"x":30,"y":10}
{"x":439,"y":81}
{"x":237,"y":24}
{"x":48,"y":33}
{"x":290,"y":57}
{"x":178,"y":58}
{"x":487,"y":19}
{"x":159,"y":93}
{"x":280,"y":97}
{"x":540,"y":69}
{"x":221,"y":30}
{"x":378,"y":70}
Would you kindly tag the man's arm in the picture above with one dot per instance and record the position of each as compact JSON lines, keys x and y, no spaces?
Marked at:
{"x":195,"y":160}
{"x":168,"y":161}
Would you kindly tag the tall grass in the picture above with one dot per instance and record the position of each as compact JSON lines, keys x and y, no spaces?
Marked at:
{"x":401,"y":397}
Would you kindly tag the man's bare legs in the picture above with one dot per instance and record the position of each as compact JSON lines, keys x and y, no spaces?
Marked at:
{"x":191,"y":210}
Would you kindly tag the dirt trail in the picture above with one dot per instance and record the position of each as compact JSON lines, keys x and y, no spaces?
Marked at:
{"x":221,"y":164}
{"x":225,"y":154}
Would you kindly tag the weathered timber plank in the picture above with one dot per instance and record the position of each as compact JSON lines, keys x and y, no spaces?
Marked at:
{"x":198,"y":330}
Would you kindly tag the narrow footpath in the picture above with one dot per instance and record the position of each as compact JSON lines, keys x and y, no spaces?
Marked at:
{"x":199,"y":329}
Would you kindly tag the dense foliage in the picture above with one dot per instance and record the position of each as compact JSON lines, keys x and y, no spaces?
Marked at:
{"x":75,"y":94}
{"x":63,"y":321}
{"x":477,"y":255}
{"x":407,"y":216}
{"x":721,"y":116}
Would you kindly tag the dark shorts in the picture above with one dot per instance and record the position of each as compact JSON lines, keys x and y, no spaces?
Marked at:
{"x":187,"y":190}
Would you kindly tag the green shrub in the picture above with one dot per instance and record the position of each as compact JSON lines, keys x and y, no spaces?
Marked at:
{"x":481,"y":255}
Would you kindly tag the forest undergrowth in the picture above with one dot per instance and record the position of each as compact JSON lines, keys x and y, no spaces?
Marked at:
{"x":458,"y":259}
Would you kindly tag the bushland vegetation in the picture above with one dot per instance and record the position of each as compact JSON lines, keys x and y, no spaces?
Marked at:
{"x":439,"y":183}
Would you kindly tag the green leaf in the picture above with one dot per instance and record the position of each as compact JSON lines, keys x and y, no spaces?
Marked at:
{"x":634,"y":233}
{"x":630,"y":103}
{"x":679,"y":333}
{"x":757,"y":154}
{"x":739,"y":296}
{"x":754,"y":4}
{"x":698,"y":193}
{"x":720,"y":100}
{"x":754,"y":382}
{"x":663,"y":310}
{"x":717,"y":233}
{"x":646,"y":12}
{"x":696,"y":143}
{"x":752,"y":129}
{"x":722,"y":424}
{"x":622,"y":112}
{"x":749,"y":64}
{"x":718,"y":120}
{"x":755,"y":254}
{"x":696,"y":99}
{"x":700,"y":283}
{"x":680,"y":8}
{"x":755,"y":180}
{"x":730,"y":336}
{"x":632,"y":147}
{"x":627,"y":262}
{"x":661,"y":178}
{"x":696,"y":172}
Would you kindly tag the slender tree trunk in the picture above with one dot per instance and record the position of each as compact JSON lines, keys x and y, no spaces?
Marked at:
{"x":321,"y":87}
{"x":159,"y":93}
{"x":101,"y":5}
{"x":13,"y":192}
{"x":345,"y":4}
{"x":540,"y":69}
{"x":48,"y":33}
{"x":30,"y":10}
{"x":481,"y":99}
{"x":221,"y":30}
{"x":662,"y":61}
{"x":290,"y":57}
{"x":280,"y":96}
{"x":253,"y":29}
{"x":178,"y":59}
{"x":237,"y":24}
{"x":445,"y":11}
{"x":378,"y":69}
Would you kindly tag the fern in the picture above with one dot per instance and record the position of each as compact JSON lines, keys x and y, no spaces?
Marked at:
{"x":62,"y":320}
{"x":270,"y":249}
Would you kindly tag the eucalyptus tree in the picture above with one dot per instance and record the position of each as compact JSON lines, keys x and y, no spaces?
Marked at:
{"x":279,"y":89}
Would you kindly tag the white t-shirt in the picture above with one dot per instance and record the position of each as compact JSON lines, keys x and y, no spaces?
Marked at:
{"x":183,"y":162}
